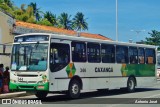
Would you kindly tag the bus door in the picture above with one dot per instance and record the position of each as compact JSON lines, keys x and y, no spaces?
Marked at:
{"x":59,"y":59}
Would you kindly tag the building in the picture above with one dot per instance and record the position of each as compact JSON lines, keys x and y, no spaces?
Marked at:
{"x":6,"y":37}
{"x":23,"y":27}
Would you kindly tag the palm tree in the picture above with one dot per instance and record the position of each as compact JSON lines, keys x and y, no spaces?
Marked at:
{"x":79,"y":22}
{"x":51,"y":18}
{"x":64,"y":21}
{"x":36,"y":11}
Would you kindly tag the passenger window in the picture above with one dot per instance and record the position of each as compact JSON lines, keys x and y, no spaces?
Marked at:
{"x":78,"y":52}
{"x":141,"y":55}
{"x":122,"y":54}
{"x":133,"y":55}
{"x":150,"y":56}
{"x":59,"y":56}
{"x":93,"y":52}
{"x":108,"y":53}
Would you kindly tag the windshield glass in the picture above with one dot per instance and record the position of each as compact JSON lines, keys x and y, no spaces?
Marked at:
{"x":29,"y":57}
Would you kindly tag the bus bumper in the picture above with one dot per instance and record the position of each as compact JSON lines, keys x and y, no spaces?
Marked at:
{"x":27,"y":87}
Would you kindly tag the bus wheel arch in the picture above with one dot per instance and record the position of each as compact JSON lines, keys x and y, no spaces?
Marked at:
{"x":74,"y":87}
{"x":131,"y":83}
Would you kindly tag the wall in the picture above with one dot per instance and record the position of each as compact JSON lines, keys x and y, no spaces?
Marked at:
{"x":6,"y":37}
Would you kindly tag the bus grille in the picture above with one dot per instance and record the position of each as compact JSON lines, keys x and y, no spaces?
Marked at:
{"x":28,"y":82}
{"x":26,"y":87}
{"x":26,"y":75}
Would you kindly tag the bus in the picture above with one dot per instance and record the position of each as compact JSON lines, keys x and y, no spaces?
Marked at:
{"x":45,"y":63}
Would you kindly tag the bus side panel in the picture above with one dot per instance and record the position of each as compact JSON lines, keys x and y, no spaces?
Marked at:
{"x":62,"y":85}
{"x":145,"y":81}
{"x":117,"y":82}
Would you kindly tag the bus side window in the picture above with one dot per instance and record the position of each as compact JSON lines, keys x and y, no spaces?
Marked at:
{"x":133,"y":55}
{"x":59,"y":56}
{"x":150,"y":56}
{"x":122,"y":54}
{"x":141,"y":55}
{"x":108,"y":53}
{"x":93,"y":52}
{"x":78,"y":51}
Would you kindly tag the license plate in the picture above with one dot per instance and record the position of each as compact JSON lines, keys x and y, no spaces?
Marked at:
{"x":41,"y":87}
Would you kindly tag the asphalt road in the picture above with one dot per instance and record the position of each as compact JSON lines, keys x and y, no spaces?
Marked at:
{"x":111,"y":98}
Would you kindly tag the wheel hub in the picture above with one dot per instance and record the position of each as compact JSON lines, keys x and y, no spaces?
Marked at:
{"x":131,"y":84}
{"x":75,"y":89}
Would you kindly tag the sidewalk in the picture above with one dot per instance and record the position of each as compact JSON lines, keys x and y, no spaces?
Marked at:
{"x":14,"y":94}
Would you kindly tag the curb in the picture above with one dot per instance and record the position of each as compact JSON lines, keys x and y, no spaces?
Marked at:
{"x":15,"y":94}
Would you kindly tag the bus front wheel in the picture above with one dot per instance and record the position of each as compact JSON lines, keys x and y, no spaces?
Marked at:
{"x":74,"y":89}
{"x":41,"y":94}
{"x":131,"y":84}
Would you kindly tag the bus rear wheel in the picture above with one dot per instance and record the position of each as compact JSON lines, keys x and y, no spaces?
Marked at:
{"x":74,"y":89}
{"x":131,"y":84}
{"x":41,"y":94}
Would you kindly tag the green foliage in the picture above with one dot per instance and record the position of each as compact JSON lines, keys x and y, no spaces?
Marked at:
{"x":44,"y":22}
{"x":154,"y":39}
{"x":79,"y":22}
{"x":31,"y":20}
{"x":64,"y":21}
{"x":36,"y":11}
{"x":51,"y":18}
{"x":32,"y":14}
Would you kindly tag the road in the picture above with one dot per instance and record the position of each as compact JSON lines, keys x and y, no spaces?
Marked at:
{"x":111,"y":98}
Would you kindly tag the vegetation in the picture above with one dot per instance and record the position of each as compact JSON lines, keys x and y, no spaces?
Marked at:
{"x":32,"y":14}
{"x":79,"y":22}
{"x":154,"y":39}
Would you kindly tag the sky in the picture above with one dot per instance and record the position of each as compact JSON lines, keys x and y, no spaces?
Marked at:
{"x":133,"y":15}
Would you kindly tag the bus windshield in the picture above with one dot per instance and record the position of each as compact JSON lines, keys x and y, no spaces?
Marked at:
{"x":29,"y":57}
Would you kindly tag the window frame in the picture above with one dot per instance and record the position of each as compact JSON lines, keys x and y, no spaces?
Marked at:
{"x":85,"y":51}
{"x":93,"y":45}
{"x":126,"y":58}
{"x":108,"y":46}
{"x":139,"y":55}
{"x":132,"y":48}
{"x":146,"y":59}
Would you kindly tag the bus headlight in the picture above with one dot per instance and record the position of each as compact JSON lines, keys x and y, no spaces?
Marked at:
{"x":13,"y":80}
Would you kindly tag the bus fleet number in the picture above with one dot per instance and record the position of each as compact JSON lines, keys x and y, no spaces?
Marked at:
{"x":82,"y":69}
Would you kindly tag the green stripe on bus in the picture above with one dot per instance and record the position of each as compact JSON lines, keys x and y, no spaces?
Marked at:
{"x":16,"y":86}
{"x":138,"y":69}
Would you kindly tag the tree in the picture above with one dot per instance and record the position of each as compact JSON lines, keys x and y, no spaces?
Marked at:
{"x":64,"y":21}
{"x":51,"y":18}
{"x":36,"y":11}
{"x":154,"y":39}
{"x":79,"y":22}
{"x":44,"y":22}
{"x":9,"y":3}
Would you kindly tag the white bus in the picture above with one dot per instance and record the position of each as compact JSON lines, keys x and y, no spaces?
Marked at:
{"x":46,"y":63}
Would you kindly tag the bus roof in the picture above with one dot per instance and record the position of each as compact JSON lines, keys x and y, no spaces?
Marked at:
{"x":84,"y":39}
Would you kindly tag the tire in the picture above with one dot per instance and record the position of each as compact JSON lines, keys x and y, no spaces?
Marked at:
{"x":41,"y":94}
{"x":74,"y":89}
{"x":131,"y":84}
